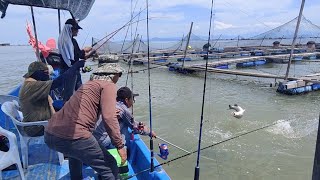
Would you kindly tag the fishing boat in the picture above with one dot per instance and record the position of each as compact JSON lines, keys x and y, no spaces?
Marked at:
{"x":44,"y":163}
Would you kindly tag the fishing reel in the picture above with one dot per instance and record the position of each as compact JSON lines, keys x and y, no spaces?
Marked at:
{"x":141,"y":128}
{"x":86,"y":69}
{"x":164,"y":151}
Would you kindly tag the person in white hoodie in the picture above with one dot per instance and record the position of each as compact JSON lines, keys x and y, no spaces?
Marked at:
{"x":71,"y":53}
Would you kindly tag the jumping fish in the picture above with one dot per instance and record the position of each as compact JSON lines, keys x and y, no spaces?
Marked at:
{"x":238,"y":111}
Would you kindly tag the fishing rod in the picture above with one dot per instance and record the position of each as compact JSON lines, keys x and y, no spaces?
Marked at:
{"x":114,"y":33}
{"x":316,"y":161}
{"x":197,"y":168}
{"x":149,"y":92}
{"x":131,"y":56}
{"x":125,"y":37}
{"x":207,"y":147}
{"x":126,"y":24}
{"x":130,"y":60}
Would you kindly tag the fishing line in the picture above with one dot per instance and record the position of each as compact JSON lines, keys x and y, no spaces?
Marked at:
{"x":157,"y":137}
{"x":246,"y":13}
{"x":126,"y":24}
{"x":210,"y":146}
{"x":131,"y":62}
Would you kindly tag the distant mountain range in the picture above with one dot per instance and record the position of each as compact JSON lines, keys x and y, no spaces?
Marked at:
{"x":193,"y":38}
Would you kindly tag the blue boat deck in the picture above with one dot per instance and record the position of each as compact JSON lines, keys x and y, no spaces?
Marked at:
{"x":44,"y":164}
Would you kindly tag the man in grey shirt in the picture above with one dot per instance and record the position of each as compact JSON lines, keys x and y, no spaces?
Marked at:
{"x":125,"y":100}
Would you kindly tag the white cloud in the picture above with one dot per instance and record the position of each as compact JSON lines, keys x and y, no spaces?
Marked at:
{"x":222,"y":25}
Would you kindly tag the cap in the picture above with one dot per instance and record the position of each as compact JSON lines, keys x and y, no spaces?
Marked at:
{"x":311,"y":42}
{"x":35,"y":66}
{"x":74,"y":23}
{"x":125,"y":92}
{"x":109,"y":68}
{"x":276,"y":42}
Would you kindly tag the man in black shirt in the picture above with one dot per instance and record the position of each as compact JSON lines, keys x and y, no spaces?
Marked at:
{"x":71,"y":53}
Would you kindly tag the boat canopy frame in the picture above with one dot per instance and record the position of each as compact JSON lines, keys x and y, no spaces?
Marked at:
{"x":79,"y":9}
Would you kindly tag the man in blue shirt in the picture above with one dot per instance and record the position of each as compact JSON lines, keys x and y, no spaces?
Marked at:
{"x":125,"y":100}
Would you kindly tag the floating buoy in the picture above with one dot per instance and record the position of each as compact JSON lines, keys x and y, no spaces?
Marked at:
{"x":164,"y":151}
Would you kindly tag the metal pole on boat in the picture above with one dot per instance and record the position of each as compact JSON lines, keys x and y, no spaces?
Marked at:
{"x":197,"y":168}
{"x":59,"y":21}
{"x":149,"y":90}
{"x":35,"y":34}
{"x":294,"y":39}
{"x":185,"y":50}
{"x":316,"y":162}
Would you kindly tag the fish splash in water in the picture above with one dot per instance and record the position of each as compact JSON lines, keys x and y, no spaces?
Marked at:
{"x":238,"y":111}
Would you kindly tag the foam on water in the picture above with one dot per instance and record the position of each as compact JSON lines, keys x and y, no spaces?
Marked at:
{"x":296,"y":128}
{"x":213,"y":133}
{"x":218,"y":133}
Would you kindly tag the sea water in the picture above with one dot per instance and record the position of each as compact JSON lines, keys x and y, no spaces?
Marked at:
{"x":283,"y":151}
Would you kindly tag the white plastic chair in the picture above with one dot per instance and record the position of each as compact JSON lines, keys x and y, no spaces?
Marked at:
{"x":12,"y":156}
{"x":11,"y":110}
{"x":3,"y":99}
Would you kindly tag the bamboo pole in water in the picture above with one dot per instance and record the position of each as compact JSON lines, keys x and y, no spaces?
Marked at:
{"x":185,"y":50}
{"x":294,"y":39}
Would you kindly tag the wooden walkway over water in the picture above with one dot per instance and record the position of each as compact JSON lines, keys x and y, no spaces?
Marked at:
{"x":211,"y":66}
{"x":253,"y":58}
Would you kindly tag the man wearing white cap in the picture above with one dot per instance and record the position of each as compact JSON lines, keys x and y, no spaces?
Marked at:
{"x":70,"y":130}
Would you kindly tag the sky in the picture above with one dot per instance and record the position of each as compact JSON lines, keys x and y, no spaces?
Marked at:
{"x":168,"y":18}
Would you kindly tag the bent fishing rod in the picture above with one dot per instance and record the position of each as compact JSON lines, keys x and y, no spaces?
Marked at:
{"x":115,"y":31}
{"x":210,"y":146}
{"x":125,"y":25}
{"x":113,"y":34}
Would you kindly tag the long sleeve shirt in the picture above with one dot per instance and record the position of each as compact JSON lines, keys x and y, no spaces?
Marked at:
{"x":33,"y":97}
{"x":79,"y":115}
{"x":126,"y":121}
